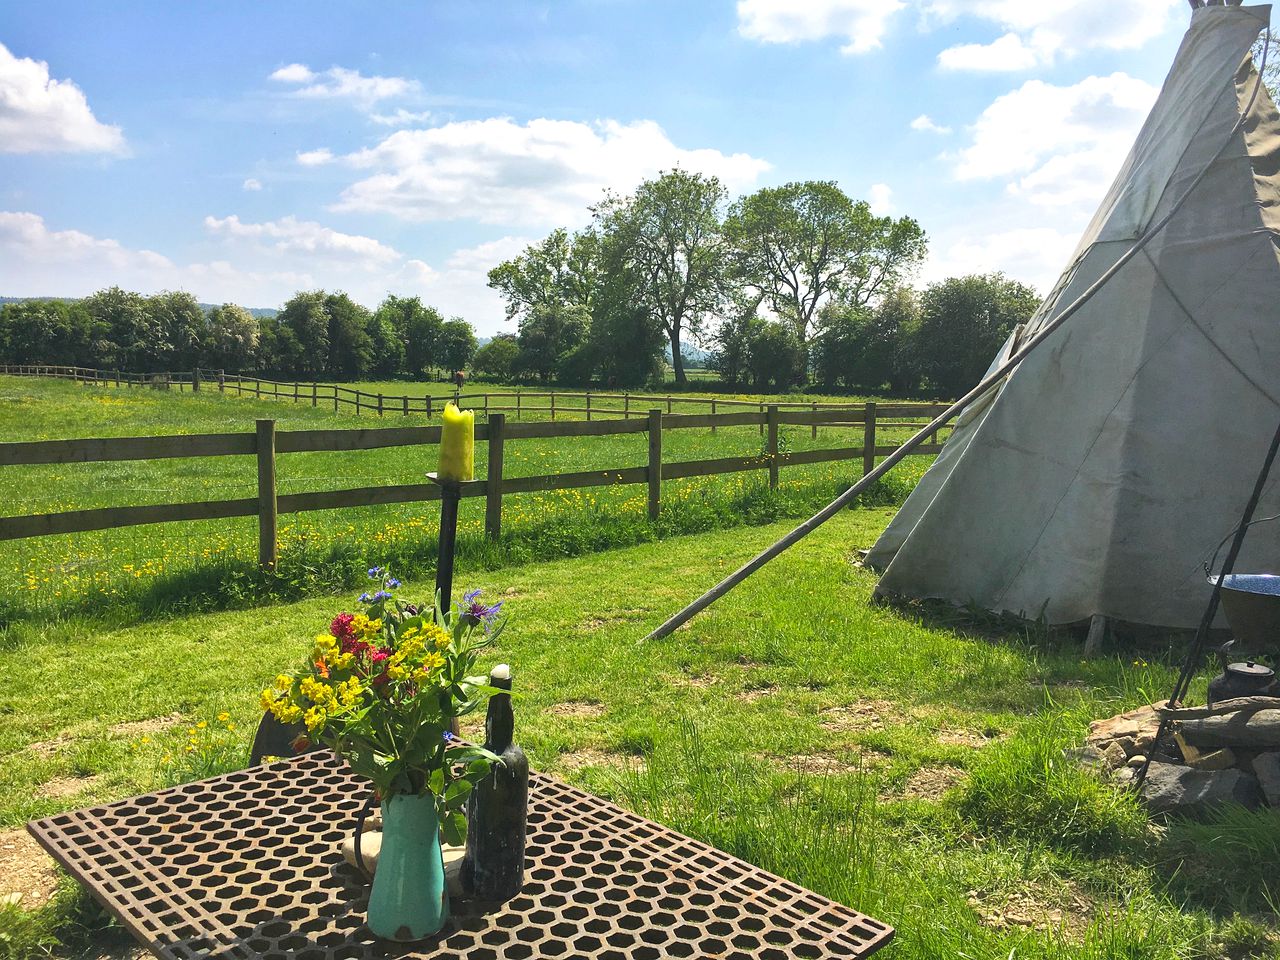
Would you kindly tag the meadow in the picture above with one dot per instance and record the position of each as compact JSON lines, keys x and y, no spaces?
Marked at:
{"x":904,"y":760}
{"x":209,"y":564}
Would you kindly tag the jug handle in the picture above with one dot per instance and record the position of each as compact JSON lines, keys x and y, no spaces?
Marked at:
{"x":1223,"y":651}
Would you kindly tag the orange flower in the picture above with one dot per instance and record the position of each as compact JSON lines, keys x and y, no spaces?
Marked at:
{"x":323,"y":668}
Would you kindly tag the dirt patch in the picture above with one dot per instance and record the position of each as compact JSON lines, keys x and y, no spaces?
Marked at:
{"x":576,"y":760}
{"x":59,"y":788}
{"x":49,"y":748}
{"x":701,"y":681}
{"x":759,"y":693}
{"x":1062,"y":908}
{"x":28,"y":876}
{"x":930,"y":783}
{"x":142,"y":728}
{"x":577,"y":710}
{"x":829,"y":764}
{"x":952,"y":737}
{"x":863,"y":715}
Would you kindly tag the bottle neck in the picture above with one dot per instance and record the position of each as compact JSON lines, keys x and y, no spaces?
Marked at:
{"x":499,"y":723}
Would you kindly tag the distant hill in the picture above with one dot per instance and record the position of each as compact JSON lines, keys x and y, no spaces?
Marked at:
{"x":256,"y":311}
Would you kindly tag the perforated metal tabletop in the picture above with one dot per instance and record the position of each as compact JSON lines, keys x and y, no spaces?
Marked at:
{"x":248,"y":865}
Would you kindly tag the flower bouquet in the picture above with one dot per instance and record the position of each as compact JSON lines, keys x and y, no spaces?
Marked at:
{"x":381,"y":688}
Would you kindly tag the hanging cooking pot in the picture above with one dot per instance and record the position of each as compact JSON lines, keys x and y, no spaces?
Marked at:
{"x":1244,"y":679}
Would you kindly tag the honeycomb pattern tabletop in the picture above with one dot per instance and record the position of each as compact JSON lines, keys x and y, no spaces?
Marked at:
{"x":248,"y":865}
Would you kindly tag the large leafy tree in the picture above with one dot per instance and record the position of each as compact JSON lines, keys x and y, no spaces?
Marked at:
{"x":132,"y":340}
{"x":48,"y":331}
{"x":233,"y":337}
{"x":182,"y":326}
{"x":668,"y":237}
{"x":306,"y":347}
{"x":865,"y":348}
{"x":963,"y":322}
{"x":497,"y":358}
{"x":802,"y":244}
{"x":456,"y":345}
{"x":416,"y":326}
{"x":351,"y":349}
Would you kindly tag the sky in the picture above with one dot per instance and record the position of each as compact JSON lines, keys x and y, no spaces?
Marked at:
{"x":245,"y":151}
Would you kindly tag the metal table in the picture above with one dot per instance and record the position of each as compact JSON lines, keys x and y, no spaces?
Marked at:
{"x":248,"y":865}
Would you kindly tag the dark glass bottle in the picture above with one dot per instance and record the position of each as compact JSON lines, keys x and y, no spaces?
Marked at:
{"x":493,"y":866}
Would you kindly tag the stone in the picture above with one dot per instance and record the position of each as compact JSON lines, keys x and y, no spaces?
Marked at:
{"x":1260,"y":729}
{"x":1173,"y":788}
{"x":1267,"y":768}
{"x":1137,"y":724}
{"x":1137,"y":760}
{"x":1127,"y":744}
{"x":1086,"y":756}
{"x":1114,"y":754}
{"x":1223,"y":759}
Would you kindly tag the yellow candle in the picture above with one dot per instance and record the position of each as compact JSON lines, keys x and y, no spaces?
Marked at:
{"x":457,"y":444}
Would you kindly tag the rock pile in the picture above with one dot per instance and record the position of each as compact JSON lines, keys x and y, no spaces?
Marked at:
{"x":1227,"y":753}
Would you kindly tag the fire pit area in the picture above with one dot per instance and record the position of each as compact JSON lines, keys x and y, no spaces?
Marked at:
{"x":1214,"y":755}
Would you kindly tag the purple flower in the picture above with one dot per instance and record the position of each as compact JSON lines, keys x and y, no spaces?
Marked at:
{"x":392,"y":582}
{"x":381,"y":595}
{"x":375,"y":572}
{"x":365,"y":598}
{"x":479,"y":612}
{"x":449,"y":737}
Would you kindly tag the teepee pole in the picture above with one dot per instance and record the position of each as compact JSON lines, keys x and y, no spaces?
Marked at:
{"x":988,"y":382}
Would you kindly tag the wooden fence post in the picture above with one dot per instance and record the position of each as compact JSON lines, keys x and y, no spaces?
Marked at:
{"x":267,"y":494}
{"x":117,"y":379}
{"x":713,"y":413}
{"x":429,"y":406}
{"x":195,"y":380}
{"x":315,"y":395}
{"x":518,"y":405}
{"x":588,"y":404}
{"x":295,"y":391}
{"x":762,"y":411}
{"x":335,"y":398}
{"x":222,"y":381}
{"x":553,"y":403}
{"x":257,"y":389}
{"x":869,"y":438}
{"x":655,"y":463}
{"x":814,"y":434}
{"x":493,"y":486}
{"x":405,"y":404}
{"x":379,"y":404}
{"x":626,"y":406}
{"x":772,"y":446}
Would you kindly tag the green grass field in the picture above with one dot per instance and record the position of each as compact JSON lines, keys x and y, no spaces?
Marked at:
{"x":213,"y":563}
{"x":895,"y":760}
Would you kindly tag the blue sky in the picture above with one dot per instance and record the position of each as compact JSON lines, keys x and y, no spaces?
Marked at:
{"x":243,"y":151}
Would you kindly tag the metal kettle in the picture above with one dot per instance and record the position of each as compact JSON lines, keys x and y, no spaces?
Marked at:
{"x":1244,"y":679}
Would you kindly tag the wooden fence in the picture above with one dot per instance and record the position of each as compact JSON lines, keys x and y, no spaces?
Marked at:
{"x":521,"y":403}
{"x":266,"y":443}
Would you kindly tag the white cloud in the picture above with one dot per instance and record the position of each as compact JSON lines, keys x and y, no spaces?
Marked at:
{"x":544,"y":172}
{"x":1005,"y":54}
{"x":926,"y":124}
{"x":880,"y":199}
{"x":341,"y":83}
{"x":1038,"y":32}
{"x":1057,"y":145}
{"x":41,"y":115}
{"x":1035,"y":255}
{"x":290,"y":235}
{"x":860,"y":23}
{"x":401,"y":118}
{"x":255,"y":264}
{"x":314,"y":158}
{"x":253,"y":183}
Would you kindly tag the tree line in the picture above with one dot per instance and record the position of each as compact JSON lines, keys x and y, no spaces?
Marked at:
{"x":791,"y":285}
{"x":316,"y":334}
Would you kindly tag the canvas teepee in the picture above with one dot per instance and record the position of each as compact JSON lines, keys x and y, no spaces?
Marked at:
{"x":1097,"y":477}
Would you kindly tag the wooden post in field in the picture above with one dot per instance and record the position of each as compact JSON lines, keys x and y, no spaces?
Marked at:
{"x":429,"y":403}
{"x":117,"y":379}
{"x":295,"y":391}
{"x":588,"y":404}
{"x":713,"y":413}
{"x":315,"y":394}
{"x":814,"y":434}
{"x":379,"y":404}
{"x":553,"y":404}
{"x":517,"y":404}
{"x":668,"y":404}
{"x":405,"y":404}
{"x":222,"y":381}
{"x":626,"y":406}
{"x":869,"y":438}
{"x":493,"y":485}
{"x":486,"y":407}
{"x":267,"y":494}
{"x":762,"y":419}
{"x":655,"y":463}
{"x":257,"y":389}
{"x":195,"y":380}
{"x":772,"y":446}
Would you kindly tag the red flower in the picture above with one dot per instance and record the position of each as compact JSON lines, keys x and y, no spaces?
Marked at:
{"x":341,"y":626}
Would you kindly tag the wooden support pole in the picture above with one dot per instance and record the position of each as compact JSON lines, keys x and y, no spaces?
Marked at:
{"x":405,"y":402}
{"x":493,"y":487}
{"x":195,"y":380}
{"x":713,"y":413}
{"x":295,"y":391}
{"x":655,"y":463}
{"x":222,"y":381}
{"x":450,"y":496}
{"x":429,"y":406}
{"x":762,"y":420}
{"x":379,"y":404}
{"x":553,"y":403}
{"x":626,"y":406}
{"x":588,"y":404}
{"x":517,"y":404}
{"x":1097,"y":635}
{"x":267,"y":494}
{"x":315,"y":395}
{"x":772,"y":446}
{"x":869,"y":439}
{"x":814,"y":434}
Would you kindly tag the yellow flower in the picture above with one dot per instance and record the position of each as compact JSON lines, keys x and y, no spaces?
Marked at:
{"x":314,"y":718}
{"x":224,"y":717}
{"x":438,"y":635}
{"x":284,"y":681}
{"x":202,"y":724}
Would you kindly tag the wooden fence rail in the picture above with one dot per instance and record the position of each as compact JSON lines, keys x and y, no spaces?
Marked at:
{"x":519,"y":402}
{"x":266,"y":444}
